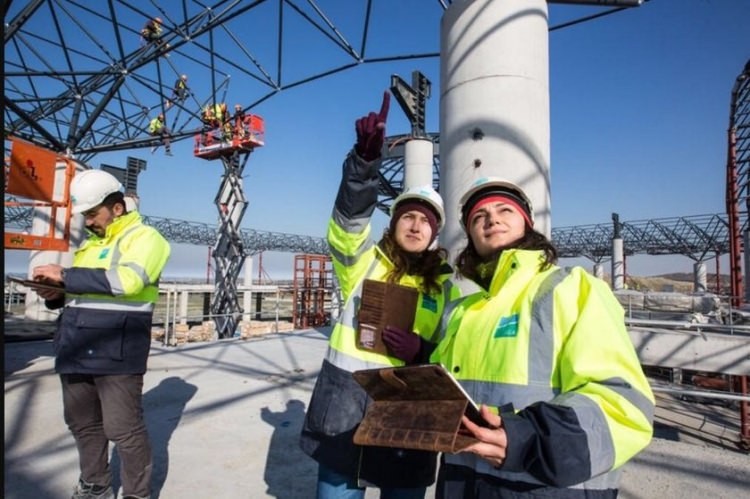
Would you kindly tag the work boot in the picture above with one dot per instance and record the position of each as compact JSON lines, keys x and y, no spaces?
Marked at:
{"x":169,"y":153}
{"x":86,"y":490}
{"x":153,"y":149}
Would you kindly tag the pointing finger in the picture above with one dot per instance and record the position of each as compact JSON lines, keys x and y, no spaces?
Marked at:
{"x":383,"y":115}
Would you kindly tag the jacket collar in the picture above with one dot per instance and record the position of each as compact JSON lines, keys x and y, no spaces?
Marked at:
{"x":118,"y":225}
{"x":512,"y":263}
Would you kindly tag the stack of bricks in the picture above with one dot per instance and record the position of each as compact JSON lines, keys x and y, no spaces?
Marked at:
{"x":206,"y":331}
{"x":157,"y":333}
{"x":250,"y":329}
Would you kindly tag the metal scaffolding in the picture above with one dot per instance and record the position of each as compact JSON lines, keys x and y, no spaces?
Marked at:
{"x":313,"y":285}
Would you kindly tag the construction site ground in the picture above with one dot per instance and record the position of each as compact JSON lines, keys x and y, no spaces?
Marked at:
{"x":224,"y":419}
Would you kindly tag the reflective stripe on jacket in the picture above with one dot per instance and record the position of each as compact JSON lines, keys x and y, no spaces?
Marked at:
{"x":554,"y":345}
{"x":111,"y":290}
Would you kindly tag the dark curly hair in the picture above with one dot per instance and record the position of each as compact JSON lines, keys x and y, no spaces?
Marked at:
{"x":468,"y":261}
{"x":427,"y":264}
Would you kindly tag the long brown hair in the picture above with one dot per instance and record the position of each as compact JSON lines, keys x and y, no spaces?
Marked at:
{"x":468,"y":261}
{"x":428,"y":264}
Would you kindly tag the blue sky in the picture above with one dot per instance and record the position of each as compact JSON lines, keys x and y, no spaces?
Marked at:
{"x":639,"y":113}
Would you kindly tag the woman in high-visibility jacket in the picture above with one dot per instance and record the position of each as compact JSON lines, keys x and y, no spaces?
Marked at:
{"x":545,"y":352}
{"x":404,"y":255}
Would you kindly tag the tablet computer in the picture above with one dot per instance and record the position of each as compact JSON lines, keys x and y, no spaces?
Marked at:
{"x":29,"y":283}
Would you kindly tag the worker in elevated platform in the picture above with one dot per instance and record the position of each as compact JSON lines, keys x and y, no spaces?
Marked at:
{"x":408,"y":255}
{"x":104,"y":334}
{"x":158,"y":128}
{"x":545,"y":352}
{"x":213,"y":115}
{"x":239,"y":121}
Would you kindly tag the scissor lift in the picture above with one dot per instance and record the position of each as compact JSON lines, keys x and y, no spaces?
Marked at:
{"x":233,"y":147}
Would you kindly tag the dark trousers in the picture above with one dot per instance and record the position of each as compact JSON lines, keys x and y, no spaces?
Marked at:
{"x":164,"y":134}
{"x":103,"y":408}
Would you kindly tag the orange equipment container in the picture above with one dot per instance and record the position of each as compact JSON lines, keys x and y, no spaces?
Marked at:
{"x":31,"y":173}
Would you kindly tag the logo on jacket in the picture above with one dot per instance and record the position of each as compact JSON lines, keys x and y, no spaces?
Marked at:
{"x":507,"y":327}
{"x":429,"y":303}
{"x":103,"y":253}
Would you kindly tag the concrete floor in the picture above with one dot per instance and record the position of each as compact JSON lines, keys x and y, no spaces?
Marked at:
{"x":224,"y":419}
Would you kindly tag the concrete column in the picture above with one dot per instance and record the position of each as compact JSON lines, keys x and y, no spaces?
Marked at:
{"x":34,"y":307}
{"x":494,"y":104}
{"x":184,"y":297}
{"x":618,"y":264}
{"x":598,"y":270}
{"x":418,"y":163}
{"x":247,"y":295}
{"x":700,"y":277}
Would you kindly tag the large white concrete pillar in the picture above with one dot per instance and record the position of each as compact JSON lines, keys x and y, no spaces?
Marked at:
{"x":599,"y":270}
{"x":247,"y":295}
{"x":34,"y":307}
{"x":494,"y":104}
{"x":418,"y":161}
{"x":700,"y":277}
{"x":618,"y":264}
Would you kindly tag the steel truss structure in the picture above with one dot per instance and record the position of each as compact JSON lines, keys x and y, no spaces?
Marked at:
{"x":696,"y":237}
{"x":738,"y":174}
{"x":79,"y":78}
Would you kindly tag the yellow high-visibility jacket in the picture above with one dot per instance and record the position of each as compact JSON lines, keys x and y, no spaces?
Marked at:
{"x":155,"y":126}
{"x":110,"y":294}
{"x":338,"y":403}
{"x":551,"y":351}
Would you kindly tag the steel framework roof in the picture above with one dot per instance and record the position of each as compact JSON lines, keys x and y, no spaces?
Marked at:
{"x":78,"y":80}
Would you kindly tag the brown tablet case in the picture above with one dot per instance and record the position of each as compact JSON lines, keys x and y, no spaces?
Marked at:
{"x":415,"y":407}
{"x":383,"y":304}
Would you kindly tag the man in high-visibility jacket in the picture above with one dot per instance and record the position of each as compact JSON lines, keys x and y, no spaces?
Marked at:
{"x":547,"y":349}
{"x":158,"y":128}
{"x":104,"y":334}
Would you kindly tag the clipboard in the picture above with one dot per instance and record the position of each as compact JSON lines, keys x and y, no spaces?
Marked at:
{"x":37,"y":284}
{"x":415,"y":407}
{"x":383,"y":304}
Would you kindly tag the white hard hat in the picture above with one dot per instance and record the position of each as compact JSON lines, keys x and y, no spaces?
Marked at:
{"x":89,"y":188}
{"x":490,"y":184}
{"x":424,"y":193}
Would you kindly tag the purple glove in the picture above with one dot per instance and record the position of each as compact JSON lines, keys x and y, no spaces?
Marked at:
{"x":371,"y":131}
{"x":401,"y":344}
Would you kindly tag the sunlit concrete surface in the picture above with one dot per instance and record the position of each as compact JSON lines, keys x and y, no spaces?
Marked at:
{"x":224,"y":419}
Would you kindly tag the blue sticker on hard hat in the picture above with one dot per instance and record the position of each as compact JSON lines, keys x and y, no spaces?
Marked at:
{"x":103,"y":254}
{"x":507,"y":327}
{"x":429,"y":303}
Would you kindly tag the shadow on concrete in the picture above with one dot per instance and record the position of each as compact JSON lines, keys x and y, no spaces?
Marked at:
{"x":285,"y":458}
{"x":163,"y":407}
